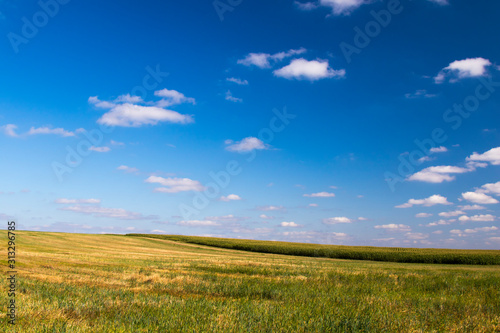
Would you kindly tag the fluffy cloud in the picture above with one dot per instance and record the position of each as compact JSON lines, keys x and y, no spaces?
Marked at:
{"x":9,"y":130}
{"x":320,"y":195}
{"x":131,"y":115}
{"x":479,"y":198}
{"x":430,"y":201}
{"x":129,"y":99}
{"x":175,"y":185}
{"x":477,"y":218}
{"x":290,"y":224}
{"x":230,"y":197}
{"x":452,"y":214}
{"x":265,"y":217}
{"x":46,"y":130}
{"x":302,"y":69}
{"x":126,"y":110}
{"x":263,"y":60}
{"x":423,"y":215}
{"x":492,"y":188}
{"x":127,"y":169}
{"x":270,"y":208}
{"x":246,"y":145}
{"x":77,"y":201}
{"x":492,"y":156}
{"x":472,"y":207}
{"x":237,"y":81}
{"x":337,"y":220}
{"x":439,"y":150}
{"x":439,"y":174}
{"x":342,"y":7}
{"x":440,"y":222}
{"x":394,"y":227}
{"x":230,"y":97}
{"x":116,"y":213}
{"x":172,"y":97}
{"x":460,"y":69}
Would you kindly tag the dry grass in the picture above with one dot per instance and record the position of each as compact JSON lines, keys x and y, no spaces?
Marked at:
{"x":110,"y":283}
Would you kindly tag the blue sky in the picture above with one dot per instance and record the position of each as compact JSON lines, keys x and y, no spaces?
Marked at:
{"x":337,"y":121}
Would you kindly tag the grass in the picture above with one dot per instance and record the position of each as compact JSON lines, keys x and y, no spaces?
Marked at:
{"x":407,"y":255}
{"x":111,"y":283}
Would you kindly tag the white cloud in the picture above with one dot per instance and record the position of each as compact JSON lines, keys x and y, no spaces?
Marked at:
{"x":302,"y":69}
{"x":313,"y":205}
{"x":290,"y":224}
{"x":77,"y":201}
{"x":270,"y":208}
{"x":47,"y":130}
{"x":430,"y":201}
{"x":440,"y":222}
{"x":320,"y":195}
{"x":416,"y":235}
{"x":439,"y":150}
{"x":230,"y":197}
{"x":484,"y":229}
{"x":230,"y":97}
{"x":477,"y":218}
{"x":423,"y":215}
{"x":116,"y":143}
{"x":306,"y":6}
{"x":127,"y":169}
{"x":9,"y":130}
{"x":100,"y":104}
{"x":342,"y":7}
{"x":237,"y":81}
{"x":129,"y":99}
{"x":131,"y":115}
{"x":198,"y":223}
{"x":117,"y":213}
{"x":420,"y":94}
{"x":440,"y":2}
{"x":362,"y":219}
{"x":246,"y":145}
{"x":172,"y":97}
{"x":492,"y":156}
{"x":492,"y":188}
{"x":265,"y":217}
{"x":479,"y":198}
{"x":472,"y":207}
{"x":460,"y":69}
{"x":452,"y":214}
{"x":175,"y":185}
{"x":337,"y":220}
{"x":438,"y":174}
{"x":394,"y":227}
{"x":425,"y":159}
{"x":100,"y":149}
{"x":263,"y":60}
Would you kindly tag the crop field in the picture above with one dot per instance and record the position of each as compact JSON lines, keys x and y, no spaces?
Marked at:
{"x":409,"y":255}
{"x":116,"y":283}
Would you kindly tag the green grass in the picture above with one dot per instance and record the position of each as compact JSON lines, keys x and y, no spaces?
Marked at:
{"x":111,"y":283}
{"x":406,"y":255}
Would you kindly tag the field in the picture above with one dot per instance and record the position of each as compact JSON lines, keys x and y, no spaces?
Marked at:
{"x":408,"y":255}
{"x":112,"y":283}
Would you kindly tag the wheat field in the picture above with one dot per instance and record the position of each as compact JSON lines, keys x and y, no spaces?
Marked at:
{"x":116,"y":283}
